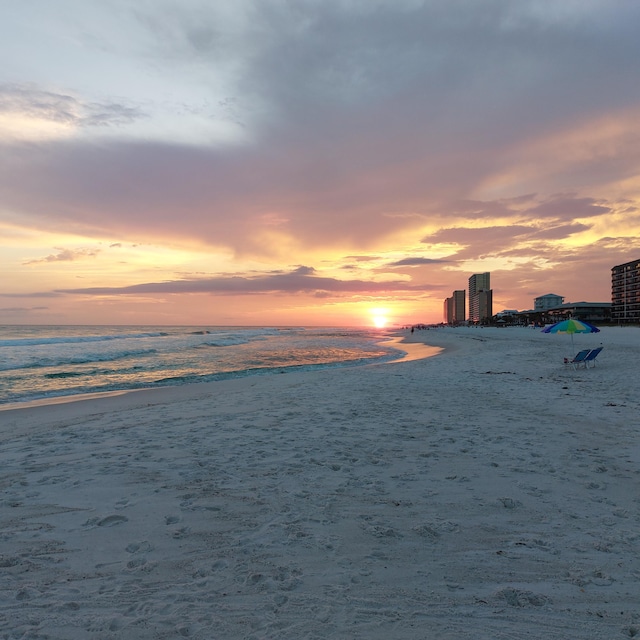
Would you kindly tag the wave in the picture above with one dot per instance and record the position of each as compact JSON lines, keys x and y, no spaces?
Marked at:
{"x":230,"y":341}
{"x":64,"y":374}
{"x":267,"y":369}
{"x":53,"y":361}
{"x":27,"y":342}
{"x":44,"y":362}
{"x":243,"y":336}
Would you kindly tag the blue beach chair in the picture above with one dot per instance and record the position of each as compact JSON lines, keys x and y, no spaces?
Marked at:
{"x":590,"y":360}
{"x":578,"y":359}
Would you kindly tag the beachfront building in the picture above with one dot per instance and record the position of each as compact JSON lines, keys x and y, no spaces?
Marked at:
{"x":594,"y":312}
{"x":625,"y":292}
{"x":480,"y":297}
{"x":455,"y":308}
{"x":547,"y":301}
{"x":506,"y":314}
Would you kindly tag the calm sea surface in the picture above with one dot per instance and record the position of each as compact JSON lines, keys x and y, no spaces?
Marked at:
{"x":40,"y":362}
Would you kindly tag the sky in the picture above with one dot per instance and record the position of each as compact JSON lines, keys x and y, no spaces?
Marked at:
{"x":312,"y":162}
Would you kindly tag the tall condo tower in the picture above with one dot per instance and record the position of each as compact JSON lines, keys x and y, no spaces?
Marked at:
{"x":480,"y":297}
{"x":625,"y":292}
{"x":454,"y":308}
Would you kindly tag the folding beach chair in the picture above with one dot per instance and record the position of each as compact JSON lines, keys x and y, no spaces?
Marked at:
{"x":578,"y":359}
{"x":591,"y":357}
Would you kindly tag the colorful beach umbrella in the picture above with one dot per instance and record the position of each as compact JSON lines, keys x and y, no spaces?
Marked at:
{"x":571,"y":326}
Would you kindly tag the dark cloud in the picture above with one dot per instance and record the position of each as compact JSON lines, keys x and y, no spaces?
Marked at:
{"x":304,"y":271}
{"x":458,"y":60}
{"x":504,"y":241}
{"x":559,"y":232}
{"x":568,"y":208}
{"x":364,"y":115}
{"x":301,"y":280}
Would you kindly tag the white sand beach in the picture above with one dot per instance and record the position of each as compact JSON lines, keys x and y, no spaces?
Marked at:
{"x":486,"y":492}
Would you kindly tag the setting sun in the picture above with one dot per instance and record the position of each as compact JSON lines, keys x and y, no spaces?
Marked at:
{"x":379,"y":318}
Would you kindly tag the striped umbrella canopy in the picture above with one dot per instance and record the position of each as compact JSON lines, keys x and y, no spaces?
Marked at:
{"x":571,"y":326}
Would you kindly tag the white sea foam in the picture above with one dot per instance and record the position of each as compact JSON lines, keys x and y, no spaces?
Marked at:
{"x":48,"y":362}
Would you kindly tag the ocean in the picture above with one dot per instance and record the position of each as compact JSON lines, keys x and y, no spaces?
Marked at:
{"x":46,"y":362}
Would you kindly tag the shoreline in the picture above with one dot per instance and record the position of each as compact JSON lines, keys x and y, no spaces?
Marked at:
{"x":490,"y":492}
{"x":412,"y":351}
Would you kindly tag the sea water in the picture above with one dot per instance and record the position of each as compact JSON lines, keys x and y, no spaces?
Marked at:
{"x":41,"y":362}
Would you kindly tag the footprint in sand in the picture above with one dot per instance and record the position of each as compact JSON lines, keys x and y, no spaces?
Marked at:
{"x":510,"y":503}
{"x":521,"y":598}
{"x":139,"y":547}
{"x":108,"y":521}
{"x":112,"y":521}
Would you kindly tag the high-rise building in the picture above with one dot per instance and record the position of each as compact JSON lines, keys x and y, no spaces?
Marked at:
{"x":480,"y":297}
{"x":625,"y":292}
{"x":485,"y":304}
{"x":454,"y":308}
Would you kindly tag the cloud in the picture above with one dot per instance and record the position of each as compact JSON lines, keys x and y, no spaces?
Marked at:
{"x":365,"y":119}
{"x":369,"y":129}
{"x":497,"y":236}
{"x":301,"y":280}
{"x":416,"y":262}
{"x":362,"y":258}
{"x":304,"y":271}
{"x":559,"y":231}
{"x":568,"y":208}
{"x":21,"y":310}
{"x":505,"y":241}
{"x":66,"y":255}
{"x":40,"y":294}
{"x":28,"y":111}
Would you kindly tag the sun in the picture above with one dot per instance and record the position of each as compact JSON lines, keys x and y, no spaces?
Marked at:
{"x":379,"y":318}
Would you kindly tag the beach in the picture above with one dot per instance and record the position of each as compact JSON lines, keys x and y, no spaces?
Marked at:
{"x":489,"y":491}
